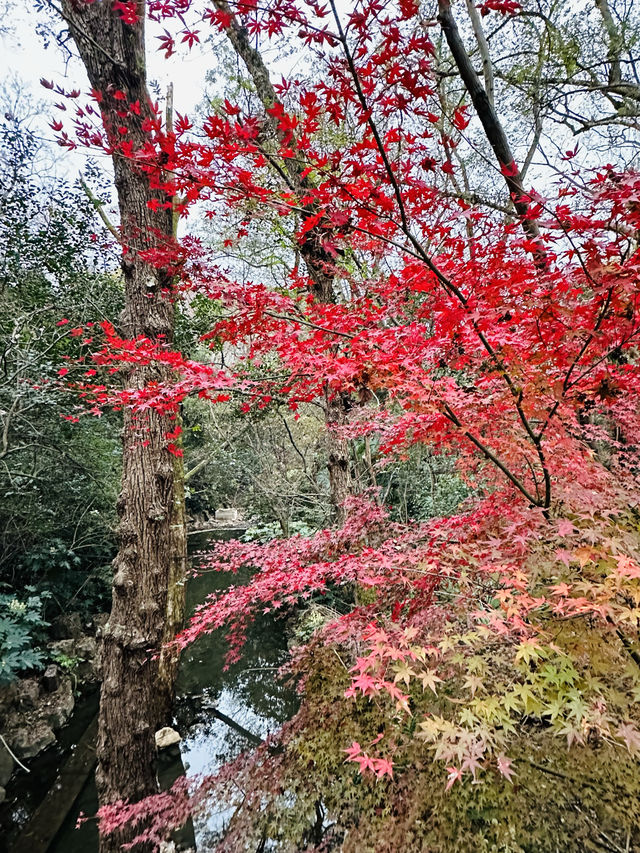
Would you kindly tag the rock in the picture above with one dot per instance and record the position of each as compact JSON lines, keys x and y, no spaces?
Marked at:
{"x":58,"y":708}
{"x":63,"y":648}
{"x":67,"y":626}
{"x":50,"y":679}
{"x":8,"y":697}
{"x":99,"y":621}
{"x":80,"y":656}
{"x":28,"y":693}
{"x":3,"y":795}
{"x":86,"y":648}
{"x":88,"y":651}
{"x":6,"y":764}
{"x":227,"y":514}
{"x":28,"y":742}
{"x":167,"y":737}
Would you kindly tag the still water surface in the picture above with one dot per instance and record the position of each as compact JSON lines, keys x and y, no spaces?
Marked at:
{"x":249,"y":693}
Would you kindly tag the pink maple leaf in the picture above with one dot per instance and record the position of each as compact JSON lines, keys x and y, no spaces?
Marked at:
{"x":505,"y":767}
{"x":565,"y":527}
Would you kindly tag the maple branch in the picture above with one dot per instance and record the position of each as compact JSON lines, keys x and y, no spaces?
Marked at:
{"x":293,"y":443}
{"x":551,"y":772}
{"x":566,"y":385}
{"x":503,"y":151}
{"x":372,"y":125}
{"x":489,"y":454}
{"x":450,"y":287}
{"x":309,"y":323}
{"x":264,"y":88}
{"x":494,"y":131}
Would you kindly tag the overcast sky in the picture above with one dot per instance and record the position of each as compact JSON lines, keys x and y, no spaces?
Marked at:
{"x":25,"y":58}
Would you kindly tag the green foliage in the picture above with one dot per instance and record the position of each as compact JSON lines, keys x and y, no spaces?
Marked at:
{"x":22,"y":627}
{"x":268,"y":464}
{"x":264,"y":532}
{"x":58,"y":572}
{"x":48,"y":559}
{"x":589,"y":795}
{"x":423,"y":485}
{"x":58,"y":480}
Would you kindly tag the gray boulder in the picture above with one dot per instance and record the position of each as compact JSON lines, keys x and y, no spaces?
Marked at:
{"x":80,"y":656}
{"x":28,"y":742}
{"x":227,"y":514}
{"x":28,"y":694}
{"x":67,"y":626}
{"x":57,"y":709}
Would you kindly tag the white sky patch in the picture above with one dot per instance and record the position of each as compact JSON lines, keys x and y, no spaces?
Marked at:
{"x":25,"y":58}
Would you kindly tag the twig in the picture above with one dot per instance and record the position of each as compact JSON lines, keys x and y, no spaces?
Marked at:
{"x":99,"y":208}
{"x":13,"y":755}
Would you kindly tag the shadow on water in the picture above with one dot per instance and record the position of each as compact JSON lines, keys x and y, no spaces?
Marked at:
{"x":27,"y":790}
{"x":248,"y":694}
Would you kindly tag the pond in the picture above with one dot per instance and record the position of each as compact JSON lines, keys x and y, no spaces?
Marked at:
{"x":249,"y":698}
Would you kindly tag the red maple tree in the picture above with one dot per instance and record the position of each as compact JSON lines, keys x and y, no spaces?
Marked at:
{"x":507,"y":342}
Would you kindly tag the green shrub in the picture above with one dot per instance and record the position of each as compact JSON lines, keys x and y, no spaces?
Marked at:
{"x":22,"y":628}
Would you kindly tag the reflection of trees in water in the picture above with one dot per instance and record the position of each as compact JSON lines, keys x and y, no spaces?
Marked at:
{"x":215,"y":742}
{"x":250,"y":691}
{"x":254,"y":679}
{"x":263,"y":690}
{"x":225,"y":826}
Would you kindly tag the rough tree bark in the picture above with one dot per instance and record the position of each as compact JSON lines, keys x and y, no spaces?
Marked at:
{"x":136,"y":691}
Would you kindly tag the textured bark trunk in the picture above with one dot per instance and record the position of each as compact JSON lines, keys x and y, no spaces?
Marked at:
{"x":152,"y":545}
{"x":175,"y":612}
{"x":338,"y":458}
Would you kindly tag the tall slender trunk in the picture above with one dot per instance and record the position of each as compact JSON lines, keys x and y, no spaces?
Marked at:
{"x":151,"y":556}
{"x":340,"y":485}
{"x":320,"y":264}
{"x":483,"y":102}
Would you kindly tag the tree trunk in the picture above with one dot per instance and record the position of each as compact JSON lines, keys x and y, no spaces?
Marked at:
{"x":320,"y":264}
{"x":338,"y":457}
{"x":493,"y":129}
{"x":170,"y":655}
{"x":152,"y":545}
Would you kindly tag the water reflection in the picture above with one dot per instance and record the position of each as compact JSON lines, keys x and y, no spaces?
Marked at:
{"x":249,"y":693}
